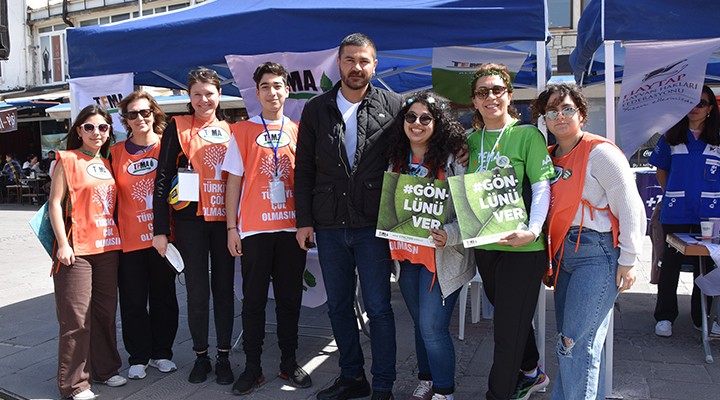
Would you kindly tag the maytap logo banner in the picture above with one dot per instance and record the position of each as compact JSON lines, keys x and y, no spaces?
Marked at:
{"x":310,"y":74}
{"x":662,"y":82}
{"x":453,"y":69}
{"x":105,"y":91}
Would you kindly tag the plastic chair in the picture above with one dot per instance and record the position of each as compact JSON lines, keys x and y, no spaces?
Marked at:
{"x":477,"y":291}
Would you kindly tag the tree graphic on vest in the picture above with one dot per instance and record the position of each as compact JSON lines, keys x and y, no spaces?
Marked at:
{"x":104,"y":196}
{"x":267,"y":166}
{"x":214,"y":156}
{"x":143,"y":191}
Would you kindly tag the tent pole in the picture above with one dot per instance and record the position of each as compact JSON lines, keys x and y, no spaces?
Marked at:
{"x":610,"y":134}
{"x":541,"y":306}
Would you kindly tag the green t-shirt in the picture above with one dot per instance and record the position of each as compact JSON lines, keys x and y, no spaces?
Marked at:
{"x":522,"y":147}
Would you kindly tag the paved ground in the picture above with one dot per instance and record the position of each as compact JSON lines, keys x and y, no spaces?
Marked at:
{"x":646,"y":367}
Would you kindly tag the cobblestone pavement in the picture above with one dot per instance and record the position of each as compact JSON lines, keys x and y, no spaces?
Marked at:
{"x":646,"y":366}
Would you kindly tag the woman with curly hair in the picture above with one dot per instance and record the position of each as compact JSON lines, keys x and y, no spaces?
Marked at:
{"x":595,"y":227}
{"x":512,"y":268}
{"x":423,"y":144}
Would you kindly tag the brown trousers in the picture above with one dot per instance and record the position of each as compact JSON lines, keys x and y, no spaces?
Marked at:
{"x":86,"y":303}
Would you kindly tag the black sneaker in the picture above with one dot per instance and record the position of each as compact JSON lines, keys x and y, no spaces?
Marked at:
{"x":295,"y":375}
{"x":383,"y":396}
{"x":248,"y":381}
{"x":223,"y":371}
{"x":200,"y":370}
{"x":344,"y":389}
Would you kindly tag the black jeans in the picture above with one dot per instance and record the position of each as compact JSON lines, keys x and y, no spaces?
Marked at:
{"x":275,"y":256}
{"x":666,"y":307}
{"x":195,"y":238}
{"x":145,"y":279}
{"x":512,"y":282}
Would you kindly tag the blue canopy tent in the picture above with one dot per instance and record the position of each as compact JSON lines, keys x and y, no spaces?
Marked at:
{"x":155,"y":48}
{"x":640,"y":20}
{"x":611,"y":22}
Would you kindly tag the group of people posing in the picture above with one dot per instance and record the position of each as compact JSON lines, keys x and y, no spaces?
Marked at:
{"x":268,"y":189}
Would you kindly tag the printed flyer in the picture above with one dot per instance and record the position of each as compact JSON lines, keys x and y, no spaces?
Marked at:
{"x":410,"y":206}
{"x":488,"y":205}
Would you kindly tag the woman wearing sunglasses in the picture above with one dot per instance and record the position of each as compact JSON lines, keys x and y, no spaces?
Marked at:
{"x":687,"y":158}
{"x":81,"y":207}
{"x":191,"y":155}
{"x":512,"y":268}
{"x":595,"y":229}
{"x":144,"y":278}
{"x":423,"y":144}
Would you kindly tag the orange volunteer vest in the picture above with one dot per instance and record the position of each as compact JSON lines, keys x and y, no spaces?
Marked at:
{"x":205,"y":145}
{"x":256,"y":211}
{"x":415,"y":253}
{"x":135,"y":180}
{"x":92,"y":196}
{"x":566,"y":195}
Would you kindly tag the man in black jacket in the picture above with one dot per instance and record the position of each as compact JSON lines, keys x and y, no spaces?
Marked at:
{"x":340,"y":161}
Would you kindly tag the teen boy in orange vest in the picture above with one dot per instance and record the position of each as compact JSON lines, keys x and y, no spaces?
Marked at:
{"x":261,"y":166}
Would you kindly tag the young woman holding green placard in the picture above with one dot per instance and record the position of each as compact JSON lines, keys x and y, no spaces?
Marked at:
{"x":512,"y":268}
{"x":430,"y":279}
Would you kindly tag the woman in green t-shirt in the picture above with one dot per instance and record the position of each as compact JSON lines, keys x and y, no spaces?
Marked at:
{"x":511,"y":268}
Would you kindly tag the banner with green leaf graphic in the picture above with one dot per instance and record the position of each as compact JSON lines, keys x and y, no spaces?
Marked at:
{"x":488,"y":205}
{"x":453,"y":68}
{"x":410,"y":206}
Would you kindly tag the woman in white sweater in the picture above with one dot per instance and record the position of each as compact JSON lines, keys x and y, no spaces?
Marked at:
{"x":596,"y":225}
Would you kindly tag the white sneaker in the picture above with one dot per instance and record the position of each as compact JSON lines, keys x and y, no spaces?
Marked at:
{"x":163,"y":365}
{"x":714,"y":331}
{"x":423,"y":391}
{"x":137,"y":371}
{"x":86,"y":394}
{"x":438,"y":396}
{"x":663,"y":328}
{"x":114,"y":381}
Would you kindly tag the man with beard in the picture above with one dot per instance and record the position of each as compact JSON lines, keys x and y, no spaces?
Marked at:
{"x":340,"y":161}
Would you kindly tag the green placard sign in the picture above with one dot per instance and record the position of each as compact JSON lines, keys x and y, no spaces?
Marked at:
{"x":410,"y":206}
{"x":488,"y":205}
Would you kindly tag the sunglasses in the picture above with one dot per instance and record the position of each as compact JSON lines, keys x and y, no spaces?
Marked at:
{"x":703,"y":104}
{"x":203,"y":74}
{"x":425,"y":118}
{"x":567,"y":112}
{"x":131,"y":115}
{"x":483,"y":92}
{"x":89,"y":128}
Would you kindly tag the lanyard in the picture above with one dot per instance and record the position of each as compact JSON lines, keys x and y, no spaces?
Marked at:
{"x":414,"y":171}
{"x":495,"y":146}
{"x":276,"y":145}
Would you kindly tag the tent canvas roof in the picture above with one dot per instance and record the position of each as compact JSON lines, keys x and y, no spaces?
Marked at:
{"x":156,"y":47}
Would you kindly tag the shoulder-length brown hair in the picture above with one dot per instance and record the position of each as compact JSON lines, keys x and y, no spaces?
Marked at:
{"x":160,"y":119}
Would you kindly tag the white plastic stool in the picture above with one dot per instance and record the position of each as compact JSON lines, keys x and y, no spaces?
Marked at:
{"x":477,"y":291}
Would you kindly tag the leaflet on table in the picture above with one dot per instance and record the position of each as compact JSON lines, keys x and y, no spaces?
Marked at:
{"x":488,"y":205}
{"x":410,"y":206}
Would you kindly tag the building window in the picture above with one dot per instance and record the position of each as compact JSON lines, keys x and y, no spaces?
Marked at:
{"x":560,"y":13}
{"x":53,"y":54}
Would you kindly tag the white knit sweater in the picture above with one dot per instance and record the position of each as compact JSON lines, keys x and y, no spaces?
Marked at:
{"x":609,"y":180}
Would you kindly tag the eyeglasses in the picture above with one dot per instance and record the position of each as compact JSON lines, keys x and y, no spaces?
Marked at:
{"x":131,"y":115}
{"x":425,"y":118}
{"x":203,"y":74}
{"x":703,"y":104}
{"x":89,"y":128}
{"x":567,"y":112}
{"x":483,"y":92}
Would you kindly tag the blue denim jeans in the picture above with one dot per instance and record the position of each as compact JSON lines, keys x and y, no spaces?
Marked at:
{"x":340,"y":251}
{"x":584,"y":297}
{"x":431,"y":314}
